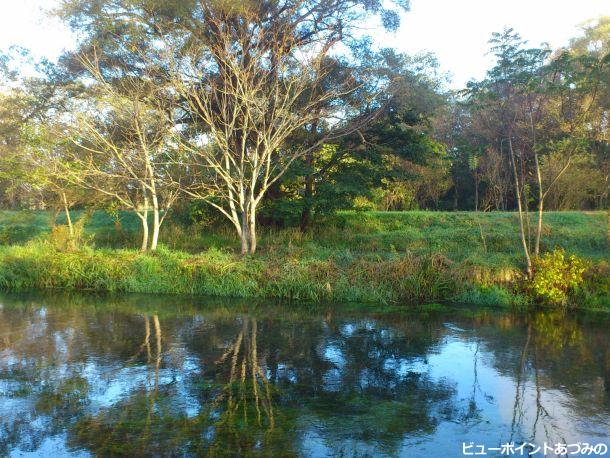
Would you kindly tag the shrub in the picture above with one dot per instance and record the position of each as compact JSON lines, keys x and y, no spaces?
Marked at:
{"x":555,"y":276}
{"x":595,"y":291}
{"x":61,"y":239}
{"x":362,"y":204}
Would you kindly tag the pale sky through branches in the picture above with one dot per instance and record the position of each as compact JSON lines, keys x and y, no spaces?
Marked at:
{"x":457,"y":31}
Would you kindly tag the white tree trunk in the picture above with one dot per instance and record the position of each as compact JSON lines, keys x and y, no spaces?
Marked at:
{"x":68,"y":218}
{"x":520,"y":209}
{"x":252,"y":228}
{"x":244,"y":234}
{"x":156,"y":223}
{"x":144,"y":219}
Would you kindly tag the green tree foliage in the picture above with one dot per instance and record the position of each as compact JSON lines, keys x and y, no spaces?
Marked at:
{"x":393,"y":162}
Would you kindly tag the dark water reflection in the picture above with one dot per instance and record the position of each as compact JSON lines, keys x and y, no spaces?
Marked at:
{"x":164,"y":376}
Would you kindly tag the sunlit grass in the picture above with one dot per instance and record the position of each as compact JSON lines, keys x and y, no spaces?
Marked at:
{"x":400,"y":258}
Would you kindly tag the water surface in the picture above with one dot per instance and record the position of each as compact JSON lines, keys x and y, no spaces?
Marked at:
{"x":145,"y":375}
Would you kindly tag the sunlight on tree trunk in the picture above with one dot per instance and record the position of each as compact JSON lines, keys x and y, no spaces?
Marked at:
{"x":156,"y":223}
{"x":520,"y":207}
{"x":143,"y":215}
{"x":67,"y":210}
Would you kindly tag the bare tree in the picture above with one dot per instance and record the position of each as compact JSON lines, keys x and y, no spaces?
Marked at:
{"x":538,"y":110}
{"x":244,"y":89}
{"x":124,"y":148}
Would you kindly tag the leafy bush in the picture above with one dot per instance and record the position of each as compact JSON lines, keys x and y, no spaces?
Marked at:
{"x":555,"y":276}
{"x":362,"y":204}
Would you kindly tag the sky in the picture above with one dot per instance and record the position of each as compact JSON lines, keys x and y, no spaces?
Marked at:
{"x":457,"y":31}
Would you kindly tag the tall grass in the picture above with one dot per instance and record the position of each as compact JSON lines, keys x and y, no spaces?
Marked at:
{"x":402,"y":258}
{"x":408,"y":279}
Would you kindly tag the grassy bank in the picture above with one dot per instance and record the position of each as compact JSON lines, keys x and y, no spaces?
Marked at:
{"x":402,"y":258}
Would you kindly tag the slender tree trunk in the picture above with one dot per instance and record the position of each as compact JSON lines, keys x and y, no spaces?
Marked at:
{"x":232,"y":208}
{"x":68,"y":218}
{"x":308,"y":195}
{"x":252,"y":229}
{"x":526,"y":211}
{"x":309,"y":182}
{"x":520,"y":207}
{"x":244,"y":234}
{"x":540,"y":206}
{"x":156,"y":222}
{"x":144,"y":219}
{"x":540,"y":192}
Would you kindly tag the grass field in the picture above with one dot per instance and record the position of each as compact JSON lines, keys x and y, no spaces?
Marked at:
{"x":399,"y":257}
{"x":488,"y":237}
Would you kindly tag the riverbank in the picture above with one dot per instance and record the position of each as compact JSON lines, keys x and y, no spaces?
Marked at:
{"x":385,"y":258}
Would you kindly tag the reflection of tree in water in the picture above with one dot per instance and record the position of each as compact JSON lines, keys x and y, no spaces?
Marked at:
{"x":134,"y":425}
{"x":286,"y":376}
{"x":266,"y":381}
{"x":547,"y":353}
{"x":260,"y":376}
{"x":244,"y":407}
{"x":148,"y":397}
{"x":46,"y":353}
{"x":473,"y":414}
{"x":366,"y":381}
{"x":238,"y":416}
{"x":279,"y":380}
{"x":546,"y":336}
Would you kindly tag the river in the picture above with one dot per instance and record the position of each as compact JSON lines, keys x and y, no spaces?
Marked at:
{"x":136,"y":375}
